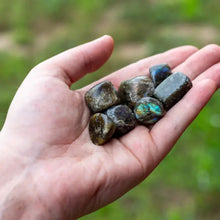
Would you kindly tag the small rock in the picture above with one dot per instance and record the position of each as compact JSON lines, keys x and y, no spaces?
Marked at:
{"x":159,"y":73}
{"x":101,"y":97}
{"x":101,"y":128}
{"x":123,"y":118}
{"x":148,"y":110}
{"x":172,"y":89}
{"x":130,"y":91}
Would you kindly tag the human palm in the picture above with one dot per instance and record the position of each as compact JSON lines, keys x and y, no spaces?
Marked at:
{"x":63,"y":174}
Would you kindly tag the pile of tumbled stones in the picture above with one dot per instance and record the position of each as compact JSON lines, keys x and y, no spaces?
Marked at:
{"x":139,"y":100}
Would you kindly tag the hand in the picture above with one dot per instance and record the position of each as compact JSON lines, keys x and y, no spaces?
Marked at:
{"x":49,"y":167}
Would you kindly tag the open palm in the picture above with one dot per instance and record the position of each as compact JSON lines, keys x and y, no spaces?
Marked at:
{"x":62,"y":174}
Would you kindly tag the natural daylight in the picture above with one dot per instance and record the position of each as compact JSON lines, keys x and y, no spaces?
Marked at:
{"x":186,"y":184}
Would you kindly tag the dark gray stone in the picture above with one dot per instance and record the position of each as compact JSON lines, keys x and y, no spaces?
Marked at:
{"x":159,"y":73}
{"x":123,"y":118}
{"x":101,"y":128}
{"x":172,"y":89}
{"x":130,"y":91}
{"x":101,"y":96}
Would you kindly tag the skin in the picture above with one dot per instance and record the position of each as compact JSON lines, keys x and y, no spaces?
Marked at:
{"x":49,"y":167}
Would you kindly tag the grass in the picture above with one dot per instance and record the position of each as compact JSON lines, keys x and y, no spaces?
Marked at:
{"x":186,"y":185}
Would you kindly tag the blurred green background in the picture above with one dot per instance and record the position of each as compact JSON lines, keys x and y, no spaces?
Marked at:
{"x":186,"y":185}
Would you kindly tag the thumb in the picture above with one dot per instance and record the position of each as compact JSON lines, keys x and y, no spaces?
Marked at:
{"x":74,"y":63}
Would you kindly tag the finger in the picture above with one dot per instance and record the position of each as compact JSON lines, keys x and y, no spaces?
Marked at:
{"x":200,"y":61}
{"x":212,"y":73}
{"x":178,"y":117}
{"x":74,"y":63}
{"x":149,"y":147}
{"x":138,"y":143}
{"x":173,"y":57}
{"x":166,"y":132}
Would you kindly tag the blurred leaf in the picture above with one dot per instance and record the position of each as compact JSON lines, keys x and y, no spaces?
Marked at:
{"x":192,"y":9}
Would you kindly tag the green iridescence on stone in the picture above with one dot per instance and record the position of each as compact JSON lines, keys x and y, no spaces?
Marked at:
{"x":148,"y":110}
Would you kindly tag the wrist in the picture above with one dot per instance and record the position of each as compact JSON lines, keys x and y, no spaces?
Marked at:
{"x":13,"y":165}
{"x":16,"y":190}
{"x":18,"y":202}
{"x":18,"y":196}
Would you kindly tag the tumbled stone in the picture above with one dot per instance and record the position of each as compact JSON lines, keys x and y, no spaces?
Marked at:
{"x":159,"y":73}
{"x":172,"y":89}
{"x":123,"y":118}
{"x":148,"y":110}
{"x":130,"y":91}
{"x":101,"y":128}
{"x":101,"y":97}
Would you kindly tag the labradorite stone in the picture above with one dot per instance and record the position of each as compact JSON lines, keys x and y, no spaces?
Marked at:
{"x":101,"y":128}
{"x":159,"y":73}
{"x":123,"y":118}
{"x":130,"y":91}
{"x":172,"y":89}
{"x":148,"y":110}
{"x":101,"y":97}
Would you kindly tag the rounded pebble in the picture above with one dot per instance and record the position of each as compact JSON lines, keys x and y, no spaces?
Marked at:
{"x":101,"y":128}
{"x":101,"y":96}
{"x":159,"y":73}
{"x":148,"y":110}
{"x":123,"y":118}
{"x":130,"y":91}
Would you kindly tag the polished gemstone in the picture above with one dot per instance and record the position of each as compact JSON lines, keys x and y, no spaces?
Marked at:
{"x":172,"y":89}
{"x":123,"y":118}
{"x":159,"y":73}
{"x":101,"y":128}
{"x":101,"y":97}
{"x":130,"y":91}
{"x":148,"y":110}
